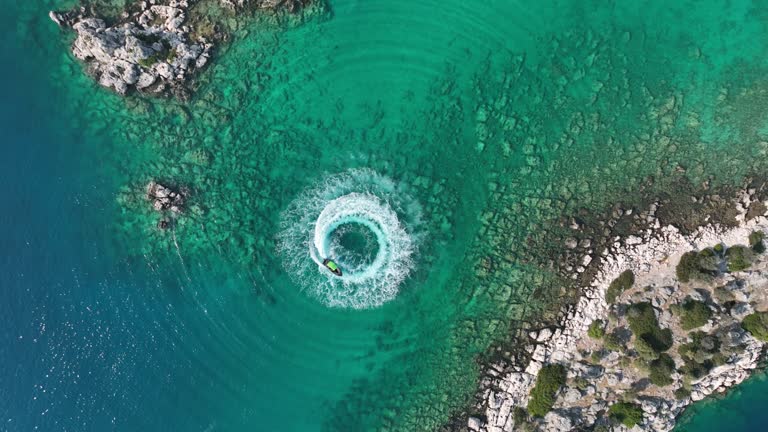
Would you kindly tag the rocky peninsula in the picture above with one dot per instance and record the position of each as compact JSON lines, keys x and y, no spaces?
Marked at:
{"x":155,"y":46}
{"x":664,"y":319}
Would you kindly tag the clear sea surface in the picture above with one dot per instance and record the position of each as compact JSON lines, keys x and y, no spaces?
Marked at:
{"x":447,"y":138}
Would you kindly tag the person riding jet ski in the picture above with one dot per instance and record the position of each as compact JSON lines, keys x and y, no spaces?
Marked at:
{"x":332,"y":266}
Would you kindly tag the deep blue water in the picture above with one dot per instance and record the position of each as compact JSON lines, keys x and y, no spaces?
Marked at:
{"x":75,"y":353}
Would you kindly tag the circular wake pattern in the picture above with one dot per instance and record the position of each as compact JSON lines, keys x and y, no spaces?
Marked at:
{"x":365,"y":223}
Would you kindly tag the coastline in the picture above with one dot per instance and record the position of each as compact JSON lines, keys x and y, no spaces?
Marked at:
{"x":651,"y":254}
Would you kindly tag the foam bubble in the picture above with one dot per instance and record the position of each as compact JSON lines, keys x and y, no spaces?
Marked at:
{"x":356,"y":198}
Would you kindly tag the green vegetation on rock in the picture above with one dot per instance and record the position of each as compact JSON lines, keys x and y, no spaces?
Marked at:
{"x":596,"y":329}
{"x":682,"y":393}
{"x":739,"y":258}
{"x":548,"y":383}
{"x":626,"y":413}
{"x":580,"y":383}
{"x":614,"y":342}
{"x":645,"y":350}
{"x":690,"y":266}
{"x":723,"y":295}
{"x":701,"y":346}
{"x":661,"y":370}
{"x":757,"y":325}
{"x":708,"y":264}
{"x":756,"y":241}
{"x":519,"y":415}
{"x":643,"y":323}
{"x":693,"y":370}
{"x":700,"y":355}
{"x":692,"y":313}
{"x":149,"y":61}
{"x":622,"y":283}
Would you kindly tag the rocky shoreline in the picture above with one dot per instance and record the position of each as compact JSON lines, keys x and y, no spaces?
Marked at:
{"x":598,"y":377}
{"x":155,"y":47}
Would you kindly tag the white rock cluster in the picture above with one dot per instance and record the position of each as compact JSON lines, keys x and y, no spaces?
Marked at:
{"x":652,"y":255}
{"x":150,"y":50}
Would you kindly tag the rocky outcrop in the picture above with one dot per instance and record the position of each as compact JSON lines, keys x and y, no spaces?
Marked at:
{"x":164,"y":198}
{"x":596,"y":383}
{"x":155,"y":47}
{"x":150,"y":50}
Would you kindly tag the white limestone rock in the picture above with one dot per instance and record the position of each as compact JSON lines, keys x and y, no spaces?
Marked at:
{"x":150,"y":51}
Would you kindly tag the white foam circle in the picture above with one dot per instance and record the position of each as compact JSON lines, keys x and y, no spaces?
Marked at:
{"x":359,"y":197}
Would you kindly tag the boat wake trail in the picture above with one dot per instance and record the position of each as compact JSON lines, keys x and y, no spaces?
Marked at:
{"x":363,"y":221}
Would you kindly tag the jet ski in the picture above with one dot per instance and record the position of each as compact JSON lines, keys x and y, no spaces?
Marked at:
{"x":332,"y":266}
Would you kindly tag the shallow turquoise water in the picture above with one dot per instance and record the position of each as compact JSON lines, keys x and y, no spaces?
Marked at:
{"x":492,"y":119}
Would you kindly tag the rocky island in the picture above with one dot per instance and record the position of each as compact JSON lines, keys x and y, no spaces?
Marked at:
{"x":667,"y":319}
{"x":155,"y":46}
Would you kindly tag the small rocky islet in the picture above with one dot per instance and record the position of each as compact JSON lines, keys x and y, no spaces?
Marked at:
{"x":156,"y":47}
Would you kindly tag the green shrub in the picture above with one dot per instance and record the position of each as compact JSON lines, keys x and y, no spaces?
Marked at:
{"x":661,"y":370}
{"x":645,"y":350}
{"x":149,"y":39}
{"x":643,"y":323}
{"x":708,"y":264}
{"x":701,"y":349}
{"x":519,"y":415}
{"x":682,"y":393}
{"x":642,"y":364}
{"x":630,"y":395}
{"x":757,"y":325}
{"x":756,"y":241}
{"x":613,"y":342}
{"x":580,"y":383}
{"x":596,"y":329}
{"x":699,"y":266}
{"x":723,"y":295}
{"x":149,"y":61}
{"x":693,"y":314}
{"x":548,"y":383}
{"x":626,"y":413}
{"x":622,"y":283}
{"x":719,"y":359}
{"x":718,"y":248}
{"x":688,"y":265}
{"x":739,"y":258}
{"x":171,"y":55}
{"x":694,"y":370}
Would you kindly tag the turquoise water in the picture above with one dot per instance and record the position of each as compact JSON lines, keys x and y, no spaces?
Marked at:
{"x":739,"y":410}
{"x":478,"y":126}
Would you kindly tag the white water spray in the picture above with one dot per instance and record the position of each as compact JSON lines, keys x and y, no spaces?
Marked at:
{"x":358,"y":198}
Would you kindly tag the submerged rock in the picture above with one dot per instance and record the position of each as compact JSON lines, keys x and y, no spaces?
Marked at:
{"x":290,"y":5}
